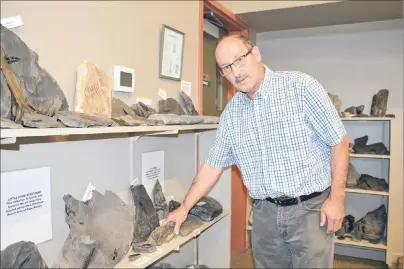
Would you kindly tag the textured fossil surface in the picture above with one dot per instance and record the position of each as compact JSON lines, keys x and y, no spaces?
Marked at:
{"x":347,"y":227}
{"x":207,"y":209}
{"x":23,"y":254}
{"x":372,"y":226}
{"x":170,"y":106}
{"x":361,"y":147}
{"x":36,"y":120}
{"x":100,"y":232}
{"x":160,"y":203}
{"x":161,"y":234}
{"x":93,"y":96}
{"x":40,"y":88}
{"x":142,"y":110}
{"x":127,"y":120}
{"x":146,"y":218}
{"x":81,"y":120}
{"x":368,"y":182}
{"x":379,"y":103}
{"x":187,"y":104}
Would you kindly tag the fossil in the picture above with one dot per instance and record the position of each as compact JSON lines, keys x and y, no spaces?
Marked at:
{"x":206,"y":209}
{"x":372,"y":226}
{"x":22,"y":254}
{"x":361,"y":147}
{"x":160,"y":203}
{"x":379,"y":103}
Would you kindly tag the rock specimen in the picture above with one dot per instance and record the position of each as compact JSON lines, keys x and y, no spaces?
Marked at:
{"x":189,"y":107}
{"x":9,"y":124}
{"x":146,"y":219}
{"x":372,"y":226}
{"x":379,"y":103}
{"x":173,"y":205}
{"x":35,"y":120}
{"x":161,"y":234}
{"x":206,"y":209}
{"x":336,"y":101}
{"x":347,"y":227}
{"x":23,"y":254}
{"x":360,"y":146}
{"x":368,"y":182}
{"x":93,"y":96}
{"x":159,"y":201}
{"x":40,"y":88}
{"x":161,"y":266}
{"x":144,"y":247}
{"x":128,"y":121}
{"x":170,"y":106}
{"x":81,"y":120}
{"x":355,"y":110}
{"x":101,"y":231}
{"x":353,"y":176}
{"x":121,"y":109}
{"x":142,"y":110}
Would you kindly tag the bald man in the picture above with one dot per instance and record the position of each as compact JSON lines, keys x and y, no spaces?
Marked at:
{"x":286,"y":137}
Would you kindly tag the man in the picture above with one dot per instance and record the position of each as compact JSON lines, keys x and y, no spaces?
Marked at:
{"x":283,"y":132}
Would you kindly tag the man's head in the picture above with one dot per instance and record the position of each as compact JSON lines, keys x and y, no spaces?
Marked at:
{"x":240,"y":62}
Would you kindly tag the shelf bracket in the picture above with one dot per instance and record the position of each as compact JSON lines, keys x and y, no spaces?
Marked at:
{"x":8,"y":140}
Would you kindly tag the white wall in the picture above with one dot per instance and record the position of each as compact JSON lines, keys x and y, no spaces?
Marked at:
{"x":354,"y":61}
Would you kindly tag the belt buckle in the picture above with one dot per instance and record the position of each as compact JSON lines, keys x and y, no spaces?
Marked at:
{"x":286,"y":201}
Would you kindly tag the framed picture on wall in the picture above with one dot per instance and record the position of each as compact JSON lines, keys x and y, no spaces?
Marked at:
{"x":171,"y":53}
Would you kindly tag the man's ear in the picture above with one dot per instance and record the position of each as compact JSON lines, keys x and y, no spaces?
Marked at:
{"x":256,"y":52}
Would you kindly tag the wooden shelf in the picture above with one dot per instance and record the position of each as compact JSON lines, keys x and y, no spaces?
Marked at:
{"x":37,"y":132}
{"x":362,"y":243}
{"x":371,"y":156}
{"x":361,"y":191}
{"x":147,"y":259}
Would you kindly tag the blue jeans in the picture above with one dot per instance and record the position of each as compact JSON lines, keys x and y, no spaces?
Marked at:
{"x":291,"y":236}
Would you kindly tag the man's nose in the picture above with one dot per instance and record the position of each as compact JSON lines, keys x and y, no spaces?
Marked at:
{"x":235,"y":71}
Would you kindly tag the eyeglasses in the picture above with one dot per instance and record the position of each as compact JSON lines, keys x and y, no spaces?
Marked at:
{"x":239,"y":62}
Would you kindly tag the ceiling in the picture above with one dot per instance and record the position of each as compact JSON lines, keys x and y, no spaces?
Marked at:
{"x":341,"y":12}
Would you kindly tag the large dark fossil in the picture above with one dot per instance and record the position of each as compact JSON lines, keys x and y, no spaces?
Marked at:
{"x":372,"y":226}
{"x":146,"y":218}
{"x":206,"y":209}
{"x":170,"y":106}
{"x":160,"y":203}
{"x":23,"y":254}
{"x":379,"y":103}
{"x":187,"y":104}
{"x":360,"y":146}
{"x":347,"y":226}
{"x":368,"y":182}
{"x":100,"y":232}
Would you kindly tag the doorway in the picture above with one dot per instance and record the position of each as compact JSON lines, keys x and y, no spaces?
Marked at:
{"x":228,"y":23}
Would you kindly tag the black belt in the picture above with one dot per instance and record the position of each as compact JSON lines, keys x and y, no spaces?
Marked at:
{"x":288,"y":201}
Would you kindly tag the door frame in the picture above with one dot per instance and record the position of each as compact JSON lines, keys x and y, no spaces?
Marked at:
{"x":234,"y":25}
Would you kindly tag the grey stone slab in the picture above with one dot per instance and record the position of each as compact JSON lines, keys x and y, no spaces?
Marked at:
{"x":23,"y":254}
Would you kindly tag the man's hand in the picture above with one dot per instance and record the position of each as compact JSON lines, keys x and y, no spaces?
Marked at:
{"x":178,"y":216}
{"x":332,"y":211}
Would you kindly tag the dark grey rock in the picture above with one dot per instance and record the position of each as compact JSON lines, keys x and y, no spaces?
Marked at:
{"x":187,"y":104}
{"x":173,"y":205}
{"x":146,"y":219}
{"x":120,"y":108}
{"x":167,"y":119}
{"x":159,"y":201}
{"x":161,"y":234}
{"x":80,"y":120}
{"x":143,"y":247}
{"x":101,"y":231}
{"x":359,"y":109}
{"x":36,"y":120}
{"x":142,"y":110}
{"x":351,"y":110}
{"x":379,"y":103}
{"x":9,"y":124}
{"x":372,"y":226}
{"x":170,"y":106}
{"x":347,"y":227}
{"x":23,"y":254}
{"x":368,"y":182}
{"x":360,"y":147}
{"x":40,"y":88}
{"x":206,"y":209}
{"x":353,"y":176}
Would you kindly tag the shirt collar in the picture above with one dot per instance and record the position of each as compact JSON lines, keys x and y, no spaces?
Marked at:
{"x":263,"y":90}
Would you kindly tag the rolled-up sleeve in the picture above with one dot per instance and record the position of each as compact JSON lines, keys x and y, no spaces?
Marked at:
{"x":221,"y":154}
{"x":321,"y":112}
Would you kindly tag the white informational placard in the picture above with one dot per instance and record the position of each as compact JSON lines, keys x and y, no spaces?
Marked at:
{"x":152,"y":170}
{"x":26,"y":206}
{"x":186,"y":87}
{"x":162,"y":93}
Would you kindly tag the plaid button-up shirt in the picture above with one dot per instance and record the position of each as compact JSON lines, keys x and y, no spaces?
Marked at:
{"x":281,"y":139}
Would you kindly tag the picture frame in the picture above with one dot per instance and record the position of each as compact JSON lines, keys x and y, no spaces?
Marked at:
{"x":171,"y":53}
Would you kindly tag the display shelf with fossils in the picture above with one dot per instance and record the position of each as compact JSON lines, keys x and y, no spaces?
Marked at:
{"x":364,"y":232}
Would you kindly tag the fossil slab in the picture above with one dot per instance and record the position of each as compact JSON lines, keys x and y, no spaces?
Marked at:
{"x":189,"y":107}
{"x":174,"y":119}
{"x":161,"y":234}
{"x":347,"y":227}
{"x":368,"y":182}
{"x":101,"y":231}
{"x":170,"y":106}
{"x":142,"y":110}
{"x":355,"y":110}
{"x":372,"y":226}
{"x":146,"y":219}
{"x":23,"y":254}
{"x":206,"y":209}
{"x":36,"y":120}
{"x":9,"y":124}
{"x":173,"y":205}
{"x":120,"y":108}
{"x":93,"y":95}
{"x":159,"y":201}
{"x":81,"y":120}
{"x":40,"y":88}
{"x":127,"y":120}
{"x":361,"y":147}
{"x":379,"y":103}
{"x":353,"y":176}
{"x":143,"y":247}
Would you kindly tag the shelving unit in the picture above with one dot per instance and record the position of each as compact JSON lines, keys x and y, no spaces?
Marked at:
{"x":77,"y":160}
{"x":359,"y":201}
